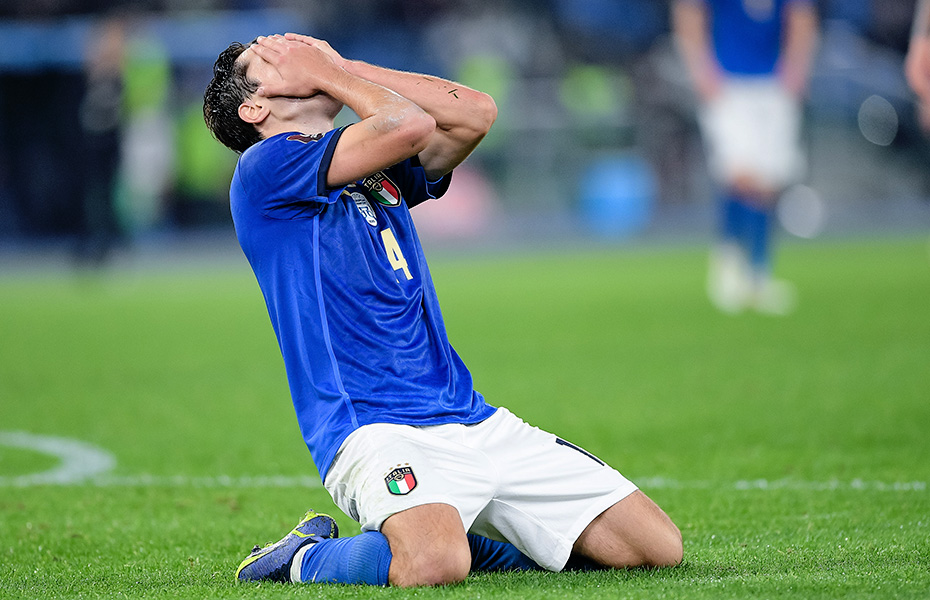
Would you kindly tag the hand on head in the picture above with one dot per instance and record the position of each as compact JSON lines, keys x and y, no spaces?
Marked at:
{"x":300,"y":66}
{"x":322,"y":45}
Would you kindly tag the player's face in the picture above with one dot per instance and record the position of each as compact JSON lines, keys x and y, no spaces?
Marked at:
{"x":257,"y":69}
{"x":261,"y":71}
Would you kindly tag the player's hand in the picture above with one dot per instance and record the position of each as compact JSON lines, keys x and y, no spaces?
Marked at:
{"x":303,"y":70}
{"x":318,"y":43}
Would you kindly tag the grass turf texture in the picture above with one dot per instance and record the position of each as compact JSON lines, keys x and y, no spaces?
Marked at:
{"x":792,"y":452}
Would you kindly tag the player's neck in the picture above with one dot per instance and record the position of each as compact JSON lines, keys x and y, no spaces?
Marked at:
{"x":307,"y":126}
{"x":308,"y":116}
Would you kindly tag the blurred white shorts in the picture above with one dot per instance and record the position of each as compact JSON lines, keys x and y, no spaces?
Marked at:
{"x":753,"y":128}
{"x":508,"y":480}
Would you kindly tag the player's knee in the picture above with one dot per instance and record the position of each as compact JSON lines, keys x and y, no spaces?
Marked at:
{"x":666,"y":550}
{"x":448,"y":569}
{"x":447,"y":566}
{"x":661,"y":548}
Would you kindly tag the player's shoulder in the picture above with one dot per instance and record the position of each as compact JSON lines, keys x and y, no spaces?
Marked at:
{"x":281,"y":152}
{"x":285,"y":143}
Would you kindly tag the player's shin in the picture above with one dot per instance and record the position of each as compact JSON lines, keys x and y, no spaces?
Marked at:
{"x":362,"y":559}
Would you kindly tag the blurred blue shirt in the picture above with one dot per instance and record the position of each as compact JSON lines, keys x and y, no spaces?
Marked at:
{"x":747,"y":34}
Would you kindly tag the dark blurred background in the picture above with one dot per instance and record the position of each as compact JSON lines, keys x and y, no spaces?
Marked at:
{"x":102,"y":144}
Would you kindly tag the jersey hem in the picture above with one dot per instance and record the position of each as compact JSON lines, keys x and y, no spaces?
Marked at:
{"x":330,"y":455}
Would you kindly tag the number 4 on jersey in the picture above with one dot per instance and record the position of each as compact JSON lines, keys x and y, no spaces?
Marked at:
{"x":394,"y":254}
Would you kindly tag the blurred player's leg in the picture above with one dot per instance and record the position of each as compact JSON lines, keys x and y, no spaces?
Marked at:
{"x":752,"y":133}
{"x":768,"y":295}
{"x":728,"y":283}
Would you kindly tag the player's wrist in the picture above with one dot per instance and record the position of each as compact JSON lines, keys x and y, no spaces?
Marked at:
{"x":333,"y":77}
{"x":349,"y":65}
{"x":358,"y":68}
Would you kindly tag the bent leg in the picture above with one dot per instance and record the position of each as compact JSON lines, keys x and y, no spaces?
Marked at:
{"x":634,"y":532}
{"x":429,"y":546}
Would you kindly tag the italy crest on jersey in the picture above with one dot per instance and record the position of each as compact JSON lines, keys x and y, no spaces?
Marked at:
{"x":382,"y":189}
{"x":401,"y":481}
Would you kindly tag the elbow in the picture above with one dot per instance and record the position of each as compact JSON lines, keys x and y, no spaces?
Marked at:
{"x":475,"y":121}
{"x":486,"y":113}
{"x":423,"y":130}
{"x":417,"y":129}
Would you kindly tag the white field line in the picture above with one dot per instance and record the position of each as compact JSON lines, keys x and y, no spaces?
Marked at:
{"x":648,"y":483}
{"x":310,"y":482}
{"x":79,"y":460}
{"x":181,"y":481}
{"x":87,"y":465}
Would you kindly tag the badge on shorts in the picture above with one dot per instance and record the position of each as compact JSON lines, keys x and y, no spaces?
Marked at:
{"x":401,"y":481}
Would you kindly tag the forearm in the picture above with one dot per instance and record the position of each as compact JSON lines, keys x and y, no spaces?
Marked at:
{"x":463,"y":116}
{"x":368,"y":99}
{"x":451,"y":104}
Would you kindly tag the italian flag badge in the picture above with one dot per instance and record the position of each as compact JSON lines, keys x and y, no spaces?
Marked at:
{"x":383,"y":189}
{"x":401,"y":481}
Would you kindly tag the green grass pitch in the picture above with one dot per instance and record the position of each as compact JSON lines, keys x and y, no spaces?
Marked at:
{"x":794,"y":453}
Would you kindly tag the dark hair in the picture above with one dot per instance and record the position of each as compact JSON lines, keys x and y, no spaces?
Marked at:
{"x":226,"y":91}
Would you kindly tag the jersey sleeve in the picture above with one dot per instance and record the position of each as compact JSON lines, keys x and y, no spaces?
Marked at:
{"x":285,"y":175}
{"x":415,"y":186}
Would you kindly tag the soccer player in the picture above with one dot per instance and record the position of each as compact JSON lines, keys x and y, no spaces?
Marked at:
{"x":749,"y":61}
{"x":441,"y":481}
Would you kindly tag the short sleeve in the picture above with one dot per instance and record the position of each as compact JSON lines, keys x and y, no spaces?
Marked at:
{"x":418,"y":188}
{"x":284,"y":176}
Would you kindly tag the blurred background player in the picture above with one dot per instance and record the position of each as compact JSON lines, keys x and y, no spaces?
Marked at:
{"x":100,"y":119}
{"x":749,"y":62}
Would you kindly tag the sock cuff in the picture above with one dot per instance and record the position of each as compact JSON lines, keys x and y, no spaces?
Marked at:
{"x":369,"y":559}
{"x":297,"y":564}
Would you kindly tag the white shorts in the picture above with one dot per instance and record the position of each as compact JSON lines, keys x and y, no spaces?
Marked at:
{"x":753,"y":128}
{"x":508,"y":480}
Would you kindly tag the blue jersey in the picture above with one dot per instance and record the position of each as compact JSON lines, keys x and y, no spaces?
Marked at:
{"x":348,"y":291}
{"x":748,"y":34}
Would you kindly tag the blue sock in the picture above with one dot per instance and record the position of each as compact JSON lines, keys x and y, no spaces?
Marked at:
{"x":364,"y":558}
{"x":748,"y":225}
{"x":758,"y":228}
{"x":489,"y":555}
{"x":731,"y":218}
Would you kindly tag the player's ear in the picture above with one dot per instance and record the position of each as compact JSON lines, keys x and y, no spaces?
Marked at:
{"x":251,"y":111}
